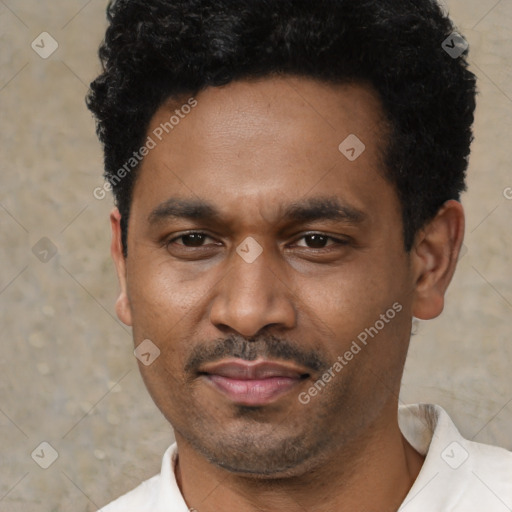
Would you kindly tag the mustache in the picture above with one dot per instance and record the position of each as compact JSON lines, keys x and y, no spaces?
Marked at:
{"x":266,"y":347}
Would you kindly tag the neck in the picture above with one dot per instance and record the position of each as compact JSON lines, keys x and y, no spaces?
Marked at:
{"x":374,"y":473}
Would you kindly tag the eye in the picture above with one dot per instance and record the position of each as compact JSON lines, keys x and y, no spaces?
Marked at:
{"x":193,"y":239}
{"x":319,"y":241}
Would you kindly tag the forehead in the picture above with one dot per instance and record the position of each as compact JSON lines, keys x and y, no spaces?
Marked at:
{"x":259,"y":144}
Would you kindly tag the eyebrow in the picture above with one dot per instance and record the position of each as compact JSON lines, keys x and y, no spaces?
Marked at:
{"x":307,"y":210}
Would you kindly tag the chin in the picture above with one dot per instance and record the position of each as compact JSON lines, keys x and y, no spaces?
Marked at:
{"x":261,"y":456}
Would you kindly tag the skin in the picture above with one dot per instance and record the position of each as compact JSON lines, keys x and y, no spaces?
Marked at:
{"x":250,"y":148}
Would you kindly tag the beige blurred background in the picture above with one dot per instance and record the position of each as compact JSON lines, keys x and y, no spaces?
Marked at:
{"x":67,"y":370}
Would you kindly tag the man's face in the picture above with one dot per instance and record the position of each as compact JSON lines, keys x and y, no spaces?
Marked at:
{"x":272,"y":276}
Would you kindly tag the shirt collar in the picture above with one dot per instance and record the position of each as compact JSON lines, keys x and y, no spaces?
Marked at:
{"x":443,"y":479}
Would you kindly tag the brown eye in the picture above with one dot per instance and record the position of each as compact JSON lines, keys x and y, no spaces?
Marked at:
{"x":319,"y":241}
{"x":190,"y":239}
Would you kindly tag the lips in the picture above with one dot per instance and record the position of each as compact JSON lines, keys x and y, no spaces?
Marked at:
{"x":253,"y":383}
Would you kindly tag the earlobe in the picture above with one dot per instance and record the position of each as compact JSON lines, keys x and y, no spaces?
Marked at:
{"x":123,"y":308}
{"x":434,"y":258}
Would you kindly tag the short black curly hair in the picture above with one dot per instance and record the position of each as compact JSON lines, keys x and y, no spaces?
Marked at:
{"x":156,"y":50}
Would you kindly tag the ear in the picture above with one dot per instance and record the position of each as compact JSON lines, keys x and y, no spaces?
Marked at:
{"x":434,"y":258}
{"x":123,"y":308}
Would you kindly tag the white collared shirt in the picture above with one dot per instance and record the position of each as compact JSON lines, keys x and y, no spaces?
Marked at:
{"x":457,"y":475}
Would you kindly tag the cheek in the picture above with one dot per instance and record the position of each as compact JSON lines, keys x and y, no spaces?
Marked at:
{"x":350,"y":298}
{"x":158,"y":294}
{"x":163,"y":310}
{"x":167,"y":308}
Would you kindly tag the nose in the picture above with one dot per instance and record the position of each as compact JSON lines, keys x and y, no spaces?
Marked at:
{"x":253,"y":296}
